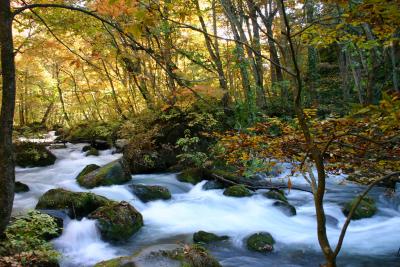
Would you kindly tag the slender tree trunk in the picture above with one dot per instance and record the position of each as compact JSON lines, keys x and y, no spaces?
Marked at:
{"x":113,"y":92}
{"x":46,"y":114}
{"x":314,"y":151}
{"x":394,"y":62}
{"x":7,"y":164}
{"x":60,"y":95}
{"x":214,"y":53}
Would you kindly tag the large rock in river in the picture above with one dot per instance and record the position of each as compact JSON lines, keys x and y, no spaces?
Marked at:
{"x":261,"y":242}
{"x":77,"y":204}
{"x":166,"y":256}
{"x":206,"y":237}
{"x":365,"y":209}
{"x":110,"y":174}
{"x":20,"y":187}
{"x":148,"y":193}
{"x":237,"y":191}
{"x":29,"y":154}
{"x":118,"y":221}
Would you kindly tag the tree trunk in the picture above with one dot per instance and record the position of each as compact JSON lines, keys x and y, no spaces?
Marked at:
{"x":7,"y":164}
{"x":60,"y":95}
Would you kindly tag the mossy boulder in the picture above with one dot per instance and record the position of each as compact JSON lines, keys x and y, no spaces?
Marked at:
{"x":192,"y":175}
{"x":285,"y":207}
{"x":260,"y":242}
{"x":29,"y":154}
{"x":86,"y":148}
{"x":76,"y":204}
{"x":110,"y":174}
{"x":212,"y":185}
{"x":117,"y":221}
{"x":88,"y":169}
{"x":148,"y":193}
{"x":187,"y":256}
{"x":206,"y":237}
{"x":366,"y":208}
{"x":237,"y":191}
{"x":20,"y":187}
{"x":117,"y":262}
{"x":276,"y":194}
{"x":192,"y":256}
{"x":92,"y":152}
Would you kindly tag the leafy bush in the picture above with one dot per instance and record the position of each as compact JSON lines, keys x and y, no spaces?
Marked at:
{"x":26,"y":241}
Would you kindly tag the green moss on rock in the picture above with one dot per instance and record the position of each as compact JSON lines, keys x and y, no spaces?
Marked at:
{"x":88,"y":169}
{"x":20,"y":187}
{"x":118,"y":221}
{"x":276,"y":194}
{"x":192,"y":256}
{"x":285,"y":207}
{"x":192,"y":175}
{"x":117,"y":262}
{"x":148,"y":193}
{"x":237,"y":191}
{"x":29,"y":154}
{"x":110,"y":174}
{"x":92,"y":152}
{"x":260,"y":242}
{"x":366,"y":208}
{"x":206,"y":237}
{"x":77,"y":204}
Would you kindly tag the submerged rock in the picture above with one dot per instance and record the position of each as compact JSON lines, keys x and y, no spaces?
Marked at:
{"x":20,"y":187}
{"x":211,"y":185}
{"x":77,"y":204}
{"x":206,"y":237}
{"x":29,"y":154}
{"x":285,"y":207}
{"x":148,"y":193}
{"x":92,"y":152}
{"x":110,"y":174}
{"x":117,"y":221}
{"x":276,"y":194}
{"x":365,"y":209}
{"x":260,"y":242}
{"x":86,"y":148}
{"x":192,"y":175}
{"x":237,"y":191}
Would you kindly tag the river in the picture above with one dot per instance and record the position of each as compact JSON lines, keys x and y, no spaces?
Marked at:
{"x":369,"y":242}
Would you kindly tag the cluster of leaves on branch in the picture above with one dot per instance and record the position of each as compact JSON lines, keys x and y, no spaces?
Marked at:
{"x":26,"y":241}
{"x":366,"y":140}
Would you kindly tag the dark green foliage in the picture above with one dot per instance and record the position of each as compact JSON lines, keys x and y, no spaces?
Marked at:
{"x":26,"y":241}
{"x":77,"y":204}
{"x":260,"y":242}
{"x":237,"y":191}
{"x":206,"y":237}
{"x":29,"y":154}
{"x":365,"y":209}
{"x":20,"y":187}
{"x":148,"y":193}
{"x":113,"y":173}
{"x":89,"y":132}
{"x":117,"y":221}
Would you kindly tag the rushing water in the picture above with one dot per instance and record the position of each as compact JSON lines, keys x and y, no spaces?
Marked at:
{"x":369,"y":242}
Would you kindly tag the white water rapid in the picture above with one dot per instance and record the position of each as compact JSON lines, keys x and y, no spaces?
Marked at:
{"x":369,"y":242}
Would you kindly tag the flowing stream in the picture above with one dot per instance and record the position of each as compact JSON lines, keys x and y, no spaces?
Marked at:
{"x":369,"y":242}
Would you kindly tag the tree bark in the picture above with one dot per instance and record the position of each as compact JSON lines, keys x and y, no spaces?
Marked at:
{"x":7,"y":164}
